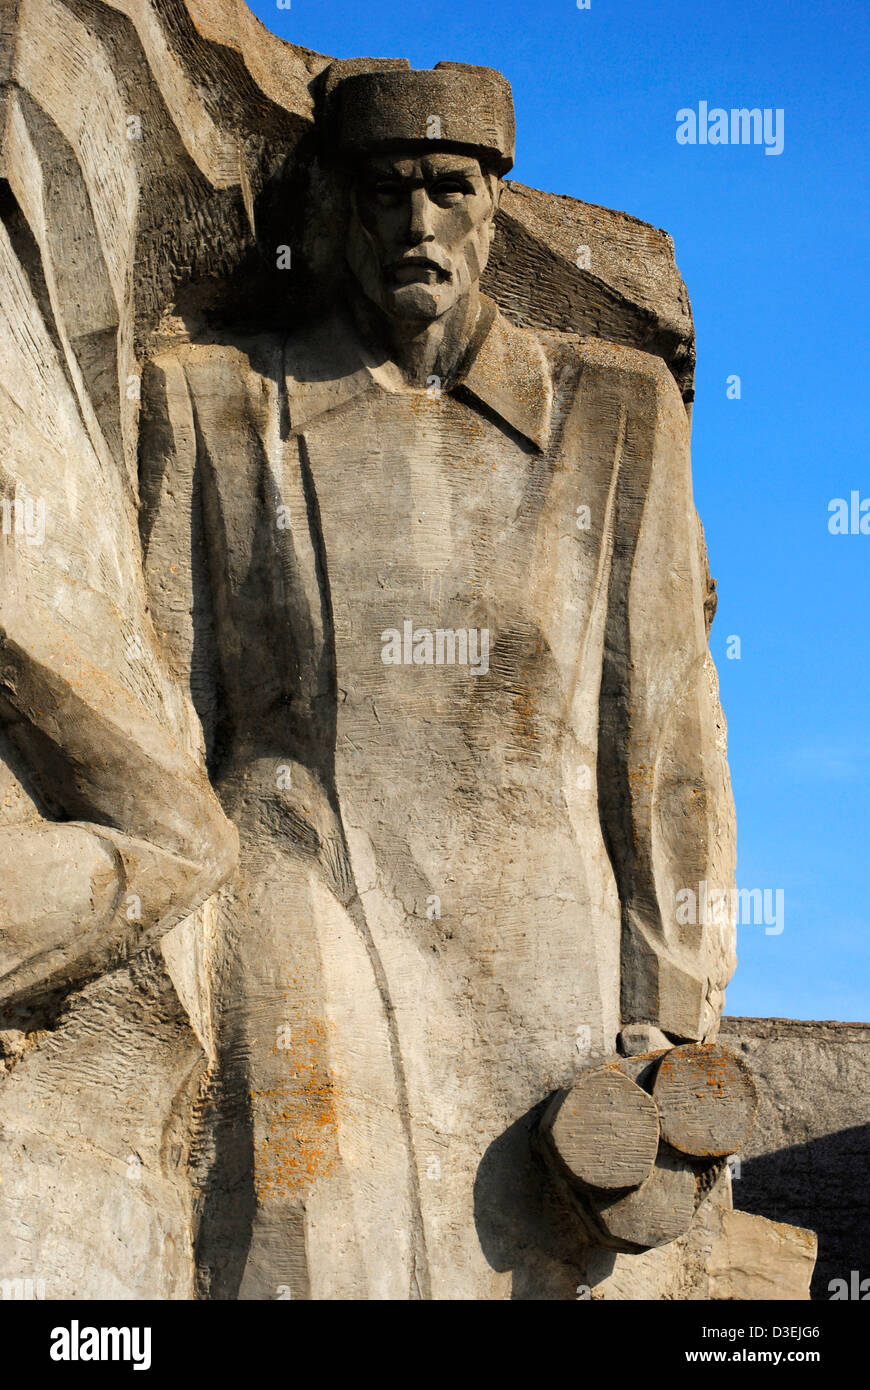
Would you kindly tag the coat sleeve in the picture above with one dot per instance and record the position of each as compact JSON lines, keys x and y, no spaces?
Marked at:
{"x":664,"y":789}
{"x":126,"y":837}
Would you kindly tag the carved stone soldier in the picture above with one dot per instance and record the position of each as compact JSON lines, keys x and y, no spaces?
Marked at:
{"x":448,"y":592}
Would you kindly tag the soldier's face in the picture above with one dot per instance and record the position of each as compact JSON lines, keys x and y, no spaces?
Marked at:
{"x":421,"y":231}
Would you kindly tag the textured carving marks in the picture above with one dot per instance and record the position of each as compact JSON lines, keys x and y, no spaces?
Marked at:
{"x":154,"y":157}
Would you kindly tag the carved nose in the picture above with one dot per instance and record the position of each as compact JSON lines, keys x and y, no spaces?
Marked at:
{"x":419,"y":218}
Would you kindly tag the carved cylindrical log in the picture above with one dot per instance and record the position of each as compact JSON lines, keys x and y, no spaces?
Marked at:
{"x":642,"y":1067}
{"x":604,"y":1132}
{"x":656,"y":1212}
{"x":706,"y":1099}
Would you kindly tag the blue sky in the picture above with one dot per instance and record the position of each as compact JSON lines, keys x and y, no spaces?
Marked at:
{"x":774,"y":250}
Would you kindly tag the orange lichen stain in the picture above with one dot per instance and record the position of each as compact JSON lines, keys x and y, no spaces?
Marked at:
{"x":641,"y":772}
{"x":714,"y":1068}
{"x":526,"y":707}
{"x":296,"y":1119}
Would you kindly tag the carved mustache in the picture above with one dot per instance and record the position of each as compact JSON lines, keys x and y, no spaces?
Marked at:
{"x":415,"y":260}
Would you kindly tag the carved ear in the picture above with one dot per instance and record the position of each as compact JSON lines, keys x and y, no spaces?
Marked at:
{"x":496,"y":187}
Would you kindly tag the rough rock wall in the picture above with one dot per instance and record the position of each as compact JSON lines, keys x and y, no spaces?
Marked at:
{"x":809,"y":1153}
{"x":631,"y":292}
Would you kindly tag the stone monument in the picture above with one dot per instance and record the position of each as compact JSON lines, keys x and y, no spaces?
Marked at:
{"x":359,"y":725}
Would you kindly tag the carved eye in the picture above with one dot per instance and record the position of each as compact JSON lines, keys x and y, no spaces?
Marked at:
{"x":449,"y":191}
{"x":387,"y":194}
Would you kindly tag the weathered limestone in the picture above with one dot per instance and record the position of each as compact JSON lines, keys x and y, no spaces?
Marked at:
{"x":725,"y":1254}
{"x":706,"y":1100}
{"x":652,"y":1126}
{"x":604,"y":1132}
{"x":807,"y":1157}
{"x":654,"y":1213}
{"x":96,"y":1198}
{"x":758,"y":1259}
{"x":345,"y":699}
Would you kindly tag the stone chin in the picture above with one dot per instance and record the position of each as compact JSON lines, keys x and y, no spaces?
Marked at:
{"x":416,"y":301}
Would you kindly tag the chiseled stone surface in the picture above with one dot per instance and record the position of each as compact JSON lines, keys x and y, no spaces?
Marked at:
{"x":604,"y":1131}
{"x":706,"y":1100}
{"x":307,"y":921}
{"x":725,"y":1254}
{"x":95,"y":1201}
{"x":759,"y":1259}
{"x":807,"y":1157}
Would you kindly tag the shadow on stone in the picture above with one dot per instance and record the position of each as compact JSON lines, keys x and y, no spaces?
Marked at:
{"x":522,"y":1222}
{"x":822,"y":1185}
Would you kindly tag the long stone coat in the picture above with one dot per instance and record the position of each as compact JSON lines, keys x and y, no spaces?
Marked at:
{"x":456,"y":883}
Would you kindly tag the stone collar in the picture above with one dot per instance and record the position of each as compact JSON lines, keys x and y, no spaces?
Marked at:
{"x":506,"y":372}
